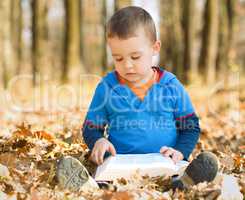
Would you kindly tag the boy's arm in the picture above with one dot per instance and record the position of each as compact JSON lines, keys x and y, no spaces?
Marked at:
{"x":187,"y":122}
{"x":91,"y":133}
{"x":96,"y":118}
{"x":188,"y":134}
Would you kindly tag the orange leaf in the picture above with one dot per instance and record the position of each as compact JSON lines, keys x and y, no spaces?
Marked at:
{"x":43,"y":135}
{"x":242,"y":147}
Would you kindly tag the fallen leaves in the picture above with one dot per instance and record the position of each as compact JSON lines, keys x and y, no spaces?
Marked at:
{"x":25,"y":130}
{"x":122,"y":195}
{"x":30,"y":151}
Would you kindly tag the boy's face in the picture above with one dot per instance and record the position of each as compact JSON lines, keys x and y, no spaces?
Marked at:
{"x":133,"y":56}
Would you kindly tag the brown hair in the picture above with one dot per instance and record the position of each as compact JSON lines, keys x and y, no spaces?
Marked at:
{"x":125,"y":21}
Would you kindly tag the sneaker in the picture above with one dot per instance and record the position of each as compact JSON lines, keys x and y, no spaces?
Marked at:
{"x":203,"y":168}
{"x":107,"y":186}
{"x":71,"y":174}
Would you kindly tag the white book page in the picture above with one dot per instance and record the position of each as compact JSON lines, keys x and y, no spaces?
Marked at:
{"x":140,"y":160}
{"x":124,"y":165}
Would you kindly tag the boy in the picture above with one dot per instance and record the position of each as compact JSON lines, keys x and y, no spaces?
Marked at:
{"x":145,"y":109}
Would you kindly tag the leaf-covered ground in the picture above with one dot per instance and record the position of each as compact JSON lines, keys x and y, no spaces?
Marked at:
{"x":32,"y":141}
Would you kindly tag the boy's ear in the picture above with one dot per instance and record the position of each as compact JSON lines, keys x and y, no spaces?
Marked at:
{"x":156,"y":47}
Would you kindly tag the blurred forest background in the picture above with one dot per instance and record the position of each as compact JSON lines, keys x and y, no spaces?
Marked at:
{"x":53,"y":53}
{"x":202,"y":40}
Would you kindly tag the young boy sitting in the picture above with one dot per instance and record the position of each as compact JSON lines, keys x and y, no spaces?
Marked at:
{"x":144,"y":109}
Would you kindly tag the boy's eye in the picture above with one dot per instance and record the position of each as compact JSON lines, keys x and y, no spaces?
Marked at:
{"x":135,"y":57}
{"x":118,"y":59}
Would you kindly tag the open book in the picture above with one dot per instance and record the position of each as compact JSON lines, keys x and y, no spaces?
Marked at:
{"x":126,"y":165}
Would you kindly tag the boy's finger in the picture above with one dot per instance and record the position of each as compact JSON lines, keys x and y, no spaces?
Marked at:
{"x":175,"y":158}
{"x":168,"y":153}
{"x":95,"y":157}
{"x":163,"y":149}
{"x":101,"y":156}
{"x":92,"y":156}
{"x":112,"y":150}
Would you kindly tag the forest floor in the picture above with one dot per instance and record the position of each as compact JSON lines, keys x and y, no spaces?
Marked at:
{"x":32,"y":141}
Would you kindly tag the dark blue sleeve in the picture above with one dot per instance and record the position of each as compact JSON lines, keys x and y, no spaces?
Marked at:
{"x":91,"y":133}
{"x":96,"y":118}
{"x":187,"y":122}
{"x":188,"y":134}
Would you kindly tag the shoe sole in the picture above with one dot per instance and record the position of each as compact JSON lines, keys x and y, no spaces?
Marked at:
{"x":71,"y":173}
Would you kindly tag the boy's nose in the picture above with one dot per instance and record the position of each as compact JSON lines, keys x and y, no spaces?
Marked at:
{"x":128,"y":64}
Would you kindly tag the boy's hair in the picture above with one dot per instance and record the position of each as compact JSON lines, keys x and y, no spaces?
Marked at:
{"x":125,"y":21}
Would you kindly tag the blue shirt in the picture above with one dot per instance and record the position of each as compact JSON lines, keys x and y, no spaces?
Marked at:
{"x":139,"y":126}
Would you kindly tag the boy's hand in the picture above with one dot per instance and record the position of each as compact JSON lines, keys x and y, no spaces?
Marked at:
{"x":100,"y":147}
{"x":172,"y":153}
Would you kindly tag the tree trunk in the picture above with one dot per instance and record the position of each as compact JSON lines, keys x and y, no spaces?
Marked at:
{"x":207,"y":60}
{"x":94,"y":42}
{"x":104,"y":46}
{"x":165,"y":35}
{"x":81,"y":14}
{"x":72,"y":37}
{"x":118,"y":4}
{"x":189,"y":38}
{"x":232,"y":23}
{"x":171,"y":55}
{"x":5,"y":44}
{"x":176,"y":39}
{"x":39,"y":33}
{"x":16,"y":34}
{"x":222,"y":53}
{"x":226,"y":31}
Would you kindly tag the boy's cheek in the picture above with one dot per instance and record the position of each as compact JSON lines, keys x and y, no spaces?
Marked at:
{"x":119,"y":69}
{"x":117,"y":66}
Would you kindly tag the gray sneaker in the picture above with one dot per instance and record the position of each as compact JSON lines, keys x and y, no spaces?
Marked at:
{"x":203,"y":168}
{"x":71,"y":174}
